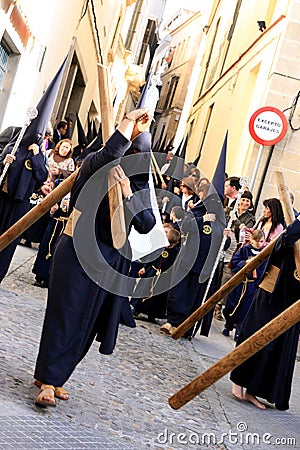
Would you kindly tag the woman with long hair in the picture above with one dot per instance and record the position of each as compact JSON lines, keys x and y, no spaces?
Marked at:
{"x":272,"y":221}
{"x":60,"y":160}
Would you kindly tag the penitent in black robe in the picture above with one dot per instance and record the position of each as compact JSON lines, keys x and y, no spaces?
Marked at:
{"x":80,"y":310}
{"x":268,"y":374}
{"x":26,"y":173}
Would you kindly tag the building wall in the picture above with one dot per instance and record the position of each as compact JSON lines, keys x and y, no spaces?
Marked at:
{"x":56,"y":27}
{"x":179,"y":52}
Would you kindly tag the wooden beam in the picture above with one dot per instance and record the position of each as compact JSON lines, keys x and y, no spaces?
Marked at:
{"x":243,"y":351}
{"x":38,"y":211}
{"x":115,"y":197}
{"x":284,"y":195}
{"x":224,"y":290}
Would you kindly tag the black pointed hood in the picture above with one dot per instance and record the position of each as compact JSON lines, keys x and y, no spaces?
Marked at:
{"x":35,"y":132}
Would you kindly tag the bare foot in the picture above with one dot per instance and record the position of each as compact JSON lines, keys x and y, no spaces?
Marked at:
{"x":237,"y":391}
{"x":252,"y":399}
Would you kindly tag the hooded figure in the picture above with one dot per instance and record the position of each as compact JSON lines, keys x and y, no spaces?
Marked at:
{"x":202,"y":233}
{"x":27,"y":170}
{"x":84,"y":300}
{"x":8,"y":135}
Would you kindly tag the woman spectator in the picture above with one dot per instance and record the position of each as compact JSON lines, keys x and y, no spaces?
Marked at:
{"x":243,"y":216}
{"x":272,"y":221}
{"x":60,"y":161}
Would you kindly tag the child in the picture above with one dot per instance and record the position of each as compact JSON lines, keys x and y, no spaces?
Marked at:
{"x":177,"y":215}
{"x":155,"y":305}
{"x":59,"y":214}
{"x":239,"y":300}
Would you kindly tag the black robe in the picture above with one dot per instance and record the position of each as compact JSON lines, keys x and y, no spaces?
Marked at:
{"x":200,"y":245}
{"x":43,"y":260}
{"x":154,"y":303}
{"x":25,"y":174}
{"x":239,"y":300}
{"x":80,"y":310}
{"x":268,"y":374}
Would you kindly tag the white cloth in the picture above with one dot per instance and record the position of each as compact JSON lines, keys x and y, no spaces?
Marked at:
{"x":144,"y":244}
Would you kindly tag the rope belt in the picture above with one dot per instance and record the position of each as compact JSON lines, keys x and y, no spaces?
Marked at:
{"x":57,"y":220}
{"x":244,"y":288}
{"x":154,"y":282}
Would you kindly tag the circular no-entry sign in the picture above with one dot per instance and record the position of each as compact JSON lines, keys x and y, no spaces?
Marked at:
{"x":268,"y":125}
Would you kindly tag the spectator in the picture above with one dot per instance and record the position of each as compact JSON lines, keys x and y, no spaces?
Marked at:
{"x":232,"y":187}
{"x":272,"y":221}
{"x":59,"y":132}
{"x":243,"y":216}
{"x":60,"y":160}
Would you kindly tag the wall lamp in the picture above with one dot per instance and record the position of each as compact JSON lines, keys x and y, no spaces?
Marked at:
{"x":261,"y":25}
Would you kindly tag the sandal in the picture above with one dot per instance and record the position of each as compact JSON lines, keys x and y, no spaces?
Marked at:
{"x":46,"y":396}
{"x":59,"y":392}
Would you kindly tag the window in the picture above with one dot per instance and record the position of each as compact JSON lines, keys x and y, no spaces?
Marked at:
{"x":206,"y":125}
{"x":9,"y":60}
{"x":149,"y":41}
{"x":133,"y":25}
{"x":171,"y":92}
{"x":4,"y":56}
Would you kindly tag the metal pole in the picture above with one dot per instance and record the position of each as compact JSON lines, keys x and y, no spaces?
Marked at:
{"x":258,"y":159}
{"x":31,"y":114}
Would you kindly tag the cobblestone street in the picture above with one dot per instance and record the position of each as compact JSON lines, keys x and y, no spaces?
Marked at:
{"x":121,"y":401}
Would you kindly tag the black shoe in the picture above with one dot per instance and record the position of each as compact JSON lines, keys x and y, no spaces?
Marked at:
{"x":135,"y":314}
{"x":151,"y":319}
{"x":225,"y":332}
{"x":282,"y":406}
{"x":41,"y":284}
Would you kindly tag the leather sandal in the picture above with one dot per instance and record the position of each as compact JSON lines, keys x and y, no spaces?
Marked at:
{"x":59,"y":392}
{"x":46,"y":396}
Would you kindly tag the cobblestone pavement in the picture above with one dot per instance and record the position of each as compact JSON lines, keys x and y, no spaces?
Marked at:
{"x":120,"y":401}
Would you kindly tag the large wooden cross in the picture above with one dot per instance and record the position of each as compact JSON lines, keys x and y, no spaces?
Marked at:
{"x":115,"y":198}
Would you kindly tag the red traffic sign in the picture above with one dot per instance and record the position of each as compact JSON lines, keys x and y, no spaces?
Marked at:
{"x":268,"y":125}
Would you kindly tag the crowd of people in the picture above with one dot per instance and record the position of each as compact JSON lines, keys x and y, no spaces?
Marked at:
{"x":169,"y":287}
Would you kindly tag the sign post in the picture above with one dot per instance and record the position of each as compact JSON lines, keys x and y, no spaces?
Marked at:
{"x":267,"y":126}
